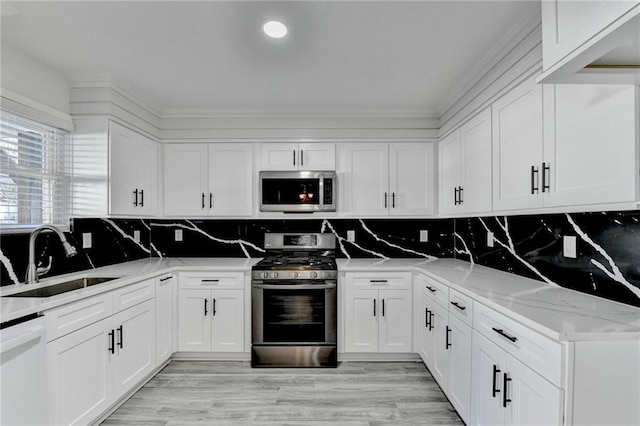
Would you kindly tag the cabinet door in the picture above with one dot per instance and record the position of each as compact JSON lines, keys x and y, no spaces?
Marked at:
{"x":517,"y":147}
{"x":280,"y":156}
{"x":194,"y":320}
{"x":475,"y":172}
{"x":146,"y":167}
{"x":411,"y":178}
{"x":488,"y":365}
{"x":135,"y":345}
{"x":317,"y":156}
{"x":427,"y":335}
{"x":230,"y":179}
{"x":186,"y":190}
{"x":79,"y":375}
{"x":459,"y":384}
{"x":361,"y":321}
{"x":534,"y":401}
{"x":440,"y":367}
{"x":395,"y":321}
{"x":164,"y":317}
{"x":366,"y":179}
{"x":591,"y":144}
{"x":122,"y":170}
{"x":227,"y":316}
{"x":450,"y":172}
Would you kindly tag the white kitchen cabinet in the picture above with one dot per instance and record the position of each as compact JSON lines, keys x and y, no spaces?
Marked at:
{"x":165,"y":317}
{"x":298,"y":156}
{"x":505,"y":391}
{"x":208,"y":179}
{"x":388,"y":179}
{"x":211,"y":312}
{"x":459,"y":381}
{"x":465,"y":167}
{"x":378,"y":312}
{"x":133,"y":173}
{"x":439,"y":325}
{"x":577,"y":33}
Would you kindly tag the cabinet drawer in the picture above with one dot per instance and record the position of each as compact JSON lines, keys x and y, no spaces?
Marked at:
{"x":434,"y":290}
{"x":212,"y":280}
{"x":461,"y":306}
{"x":74,"y":316}
{"x":538,"y":352}
{"x":367,"y":280}
{"x":133,"y":294}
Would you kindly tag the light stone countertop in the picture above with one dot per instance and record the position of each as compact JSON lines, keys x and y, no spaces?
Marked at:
{"x":555,"y":312}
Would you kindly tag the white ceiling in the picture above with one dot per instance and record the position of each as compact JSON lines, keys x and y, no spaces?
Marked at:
{"x":338,"y":56}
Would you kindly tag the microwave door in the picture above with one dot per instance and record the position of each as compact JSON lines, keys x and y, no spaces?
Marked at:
{"x":293,"y":192}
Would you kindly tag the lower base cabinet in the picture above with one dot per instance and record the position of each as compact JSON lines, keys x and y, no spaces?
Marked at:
{"x":459,"y":385}
{"x":89,"y":369}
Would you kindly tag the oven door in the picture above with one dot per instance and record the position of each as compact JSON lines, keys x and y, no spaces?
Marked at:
{"x":290,"y":313}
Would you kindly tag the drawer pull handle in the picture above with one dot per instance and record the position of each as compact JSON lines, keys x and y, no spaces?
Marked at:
{"x":210,"y":281}
{"x":462,"y":308}
{"x":166,"y":278}
{"x":506,"y":381}
{"x":495,"y":391}
{"x":431,"y":289}
{"x":505,"y":335}
{"x":447,"y":344}
{"x":378,"y":281}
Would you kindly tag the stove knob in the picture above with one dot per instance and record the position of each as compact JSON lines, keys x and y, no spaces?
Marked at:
{"x":314,"y":275}
{"x":265,"y":275}
{"x":274,"y":275}
{"x":295,"y":275}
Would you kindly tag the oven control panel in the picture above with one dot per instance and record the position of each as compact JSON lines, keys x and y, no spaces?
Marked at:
{"x":294,"y":275}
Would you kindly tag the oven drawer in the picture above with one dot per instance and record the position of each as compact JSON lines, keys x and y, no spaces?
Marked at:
{"x":367,"y":280}
{"x":211,"y":280}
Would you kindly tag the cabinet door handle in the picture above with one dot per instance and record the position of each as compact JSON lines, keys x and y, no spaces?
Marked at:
{"x":142,"y":198}
{"x":382,"y":307}
{"x":112,"y":339}
{"x":393,"y":200}
{"x":385,"y":200}
{"x":301,"y":157}
{"x":430,"y":320}
{"x":505,"y":335}
{"x":214,"y":308}
{"x":294,"y":157}
{"x":460,"y":199}
{"x":135,"y":199}
{"x":205,"y":307}
{"x":166,"y":278}
{"x":546,"y":167}
{"x":505,"y":391}
{"x":534,"y":180}
{"x":374,"y":307}
{"x":494,"y":390}
{"x":120,"y":338}
{"x":462,"y":308}
{"x":211,"y":200}
{"x":426,"y":317}
{"x":448,"y":344}
{"x":431,"y":289}
{"x":203,"y":200}
{"x":455,"y":196}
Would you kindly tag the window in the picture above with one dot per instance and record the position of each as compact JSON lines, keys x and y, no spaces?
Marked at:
{"x":35,"y":173}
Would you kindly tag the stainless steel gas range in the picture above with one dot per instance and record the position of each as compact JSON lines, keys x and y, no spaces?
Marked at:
{"x":294,"y":302}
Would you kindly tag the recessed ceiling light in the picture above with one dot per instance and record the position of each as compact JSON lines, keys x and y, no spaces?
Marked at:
{"x":275,"y":29}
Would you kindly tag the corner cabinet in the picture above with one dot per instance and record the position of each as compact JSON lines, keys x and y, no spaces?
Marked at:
{"x":381,"y":179}
{"x":208,"y":179}
{"x":211,"y":312}
{"x":378,"y":312}
{"x":294,"y":156}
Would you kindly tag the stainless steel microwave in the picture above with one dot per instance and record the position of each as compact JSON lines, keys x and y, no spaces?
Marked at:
{"x":298,"y":191}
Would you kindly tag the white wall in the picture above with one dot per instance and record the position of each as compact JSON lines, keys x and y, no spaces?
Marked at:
{"x":33,"y":79}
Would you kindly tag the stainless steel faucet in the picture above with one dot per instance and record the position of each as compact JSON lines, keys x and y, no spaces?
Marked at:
{"x":33,"y":272}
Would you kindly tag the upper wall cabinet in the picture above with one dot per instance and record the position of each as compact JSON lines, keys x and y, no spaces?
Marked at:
{"x":208,"y":179}
{"x":133,"y":173}
{"x":388,"y":179}
{"x":564,"y":145}
{"x":298,"y":156}
{"x":465,"y":167}
{"x":588,"y":41}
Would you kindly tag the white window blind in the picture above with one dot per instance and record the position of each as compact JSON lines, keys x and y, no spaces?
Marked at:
{"x":35,"y":173}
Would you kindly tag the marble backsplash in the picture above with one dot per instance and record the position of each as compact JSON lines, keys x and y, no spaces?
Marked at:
{"x":607,"y":262}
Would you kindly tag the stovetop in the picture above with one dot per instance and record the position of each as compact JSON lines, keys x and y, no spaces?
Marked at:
{"x":316,"y":262}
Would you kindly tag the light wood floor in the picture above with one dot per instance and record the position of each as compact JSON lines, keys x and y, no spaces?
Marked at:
{"x":355,"y":393}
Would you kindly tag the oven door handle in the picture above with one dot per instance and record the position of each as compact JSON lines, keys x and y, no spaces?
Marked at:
{"x":294,"y":286}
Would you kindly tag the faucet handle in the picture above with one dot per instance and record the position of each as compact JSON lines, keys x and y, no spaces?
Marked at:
{"x":41,"y":270}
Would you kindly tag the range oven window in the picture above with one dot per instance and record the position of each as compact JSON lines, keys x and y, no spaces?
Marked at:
{"x":294,"y":316}
{"x":290,"y":191}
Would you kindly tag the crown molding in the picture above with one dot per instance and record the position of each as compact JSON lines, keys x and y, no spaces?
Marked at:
{"x":20,"y":104}
{"x":295,"y":113}
{"x":530,"y":21}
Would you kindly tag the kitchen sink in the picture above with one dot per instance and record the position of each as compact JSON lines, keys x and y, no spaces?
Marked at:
{"x":63,"y":287}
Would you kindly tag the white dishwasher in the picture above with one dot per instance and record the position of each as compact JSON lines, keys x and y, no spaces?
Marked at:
{"x":23,"y":374}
